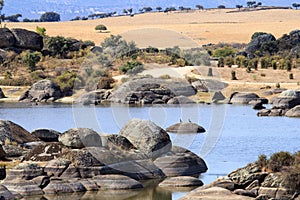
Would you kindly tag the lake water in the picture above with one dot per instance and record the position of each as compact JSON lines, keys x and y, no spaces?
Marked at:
{"x":235,"y":135}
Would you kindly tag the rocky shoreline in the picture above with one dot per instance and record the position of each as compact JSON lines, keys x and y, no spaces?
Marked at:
{"x":81,"y":160}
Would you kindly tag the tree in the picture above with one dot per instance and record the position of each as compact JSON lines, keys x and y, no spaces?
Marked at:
{"x":100,"y":28}
{"x":125,"y":12}
{"x":251,"y":3}
{"x":13,"y":18}
{"x":129,"y":10}
{"x":50,"y":17}
{"x":296,"y":5}
{"x":158,"y":8}
{"x":1,"y":16}
{"x":239,"y":6}
{"x":200,"y":7}
{"x":147,"y":9}
{"x":31,"y":59}
{"x":221,"y":6}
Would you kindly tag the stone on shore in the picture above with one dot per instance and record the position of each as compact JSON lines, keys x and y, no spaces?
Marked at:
{"x":14,"y":133}
{"x":294,"y":112}
{"x":78,"y":138}
{"x":46,"y":135}
{"x":116,"y":182}
{"x":147,"y":137}
{"x":287,"y":99}
{"x":42,"y":90}
{"x":185,"y":127}
{"x":214,"y":193}
{"x":181,"y":181}
{"x":2,"y":94}
{"x":242,"y":97}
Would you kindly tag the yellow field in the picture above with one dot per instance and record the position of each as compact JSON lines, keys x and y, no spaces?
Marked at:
{"x":202,"y":27}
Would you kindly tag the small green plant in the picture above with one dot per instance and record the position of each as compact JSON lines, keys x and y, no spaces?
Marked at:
{"x":277,"y":85}
{"x":262,"y":161}
{"x":291,"y":76}
{"x":165,"y":76}
{"x":41,"y":31}
{"x":101,"y":28}
{"x":263,"y":75}
{"x":233,"y":75}
{"x":31,"y":59}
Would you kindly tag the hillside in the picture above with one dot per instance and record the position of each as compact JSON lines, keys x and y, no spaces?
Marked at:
{"x":203,"y":27}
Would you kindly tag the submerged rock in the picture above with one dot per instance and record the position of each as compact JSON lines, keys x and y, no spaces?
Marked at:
{"x":185,"y":127}
{"x":116,"y":182}
{"x":181,"y":181}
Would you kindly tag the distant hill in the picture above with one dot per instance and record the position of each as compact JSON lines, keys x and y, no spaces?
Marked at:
{"x":69,"y":9}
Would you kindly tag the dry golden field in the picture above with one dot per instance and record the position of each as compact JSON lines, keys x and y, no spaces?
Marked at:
{"x":202,"y":27}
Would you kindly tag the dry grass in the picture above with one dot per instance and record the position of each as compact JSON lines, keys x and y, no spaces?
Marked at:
{"x":203,"y":27}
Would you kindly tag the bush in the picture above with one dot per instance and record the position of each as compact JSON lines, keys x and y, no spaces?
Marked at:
{"x":67,"y":81}
{"x":41,"y":31}
{"x":132,"y":67}
{"x":59,"y":46}
{"x":100,"y":28}
{"x":105,"y":83}
{"x":224,"y":52}
{"x":279,"y":160}
{"x":233,"y":75}
{"x":31,"y":59}
{"x":291,"y":76}
{"x":262,"y":161}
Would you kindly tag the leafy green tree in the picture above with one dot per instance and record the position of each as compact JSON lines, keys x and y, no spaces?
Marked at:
{"x":221,"y":7}
{"x":13,"y":18}
{"x":200,"y":7}
{"x":100,"y":28}
{"x":251,"y":3}
{"x":147,"y":9}
{"x":158,"y":8}
{"x":130,"y":10}
{"x":296,"y":5}
{"x":50,"y":17}
{"x":239,"y":6}
{"x":31,"y":59}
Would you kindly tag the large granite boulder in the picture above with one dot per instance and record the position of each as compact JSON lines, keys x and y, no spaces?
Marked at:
{"x":214,"y":193}
{"x":257,"y":43}
{"x":294,"y":112}
{"x":242,"y":98}
{"x":147,"y":90}
{"x":6,"y":38}
{"x":185,"y":127}
{"x":43,"y":90}
{"x":287,"y":99}
{"x":27,"y":39}
{"x":180,"y":100}
{"x":6,"y":194}
{"x":94,"y":97}
{"x":46,"y":135}
{"x":116,"y":182}
{"x":147,"y":137}
{"x":78,"y":138}
{"x":12,"y":132}
{"x":24,"y":171}
{"x":181,"y":181}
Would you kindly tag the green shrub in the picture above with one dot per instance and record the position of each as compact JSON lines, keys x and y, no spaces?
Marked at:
{"x":256,"y":34}
{"x":100,"y":28}
{"x":105,"y":83}
{"x":224,"y":52}
{"x":279,"y":160}
{"x":41,"y":31}
{"x":59,"y":46}
{"x":262,"y":161}
{"x":291,"y":76}
{"x":132,"y":67}
{"x":233,"y":75}
{"x":165,"y":76}
{"x":67,"y":81}
{"x":31,"y":59}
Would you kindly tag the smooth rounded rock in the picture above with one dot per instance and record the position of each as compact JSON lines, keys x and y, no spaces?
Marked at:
{"x":116,"y":182}
{"x":181,"y":181}
{"x":185,"y":127}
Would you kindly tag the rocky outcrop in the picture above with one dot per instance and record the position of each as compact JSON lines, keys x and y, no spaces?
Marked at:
{"x":180,"y":100}
{"x":185,"y":127}
{"x":7,"y":39}
{"x":257,"y":42}
{"x":25,"y":39}
{"x":294,"y":112}
{"x":242,"y":98}
{"x":145,"y":90}
{"x":147,"y":137}
{"x":44,"y":152}
{"x":42,"y":91}
{"x":94,"y":97}
{"x":217,"y":97}
{"x":116,"y":182}
{"x":181,"y":181}
{"x":46,"y":135}
{"x":287,"y":99}
{"x":14,"y":133}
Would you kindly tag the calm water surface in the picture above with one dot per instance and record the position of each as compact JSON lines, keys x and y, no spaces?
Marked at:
{"x":235,"y":135}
